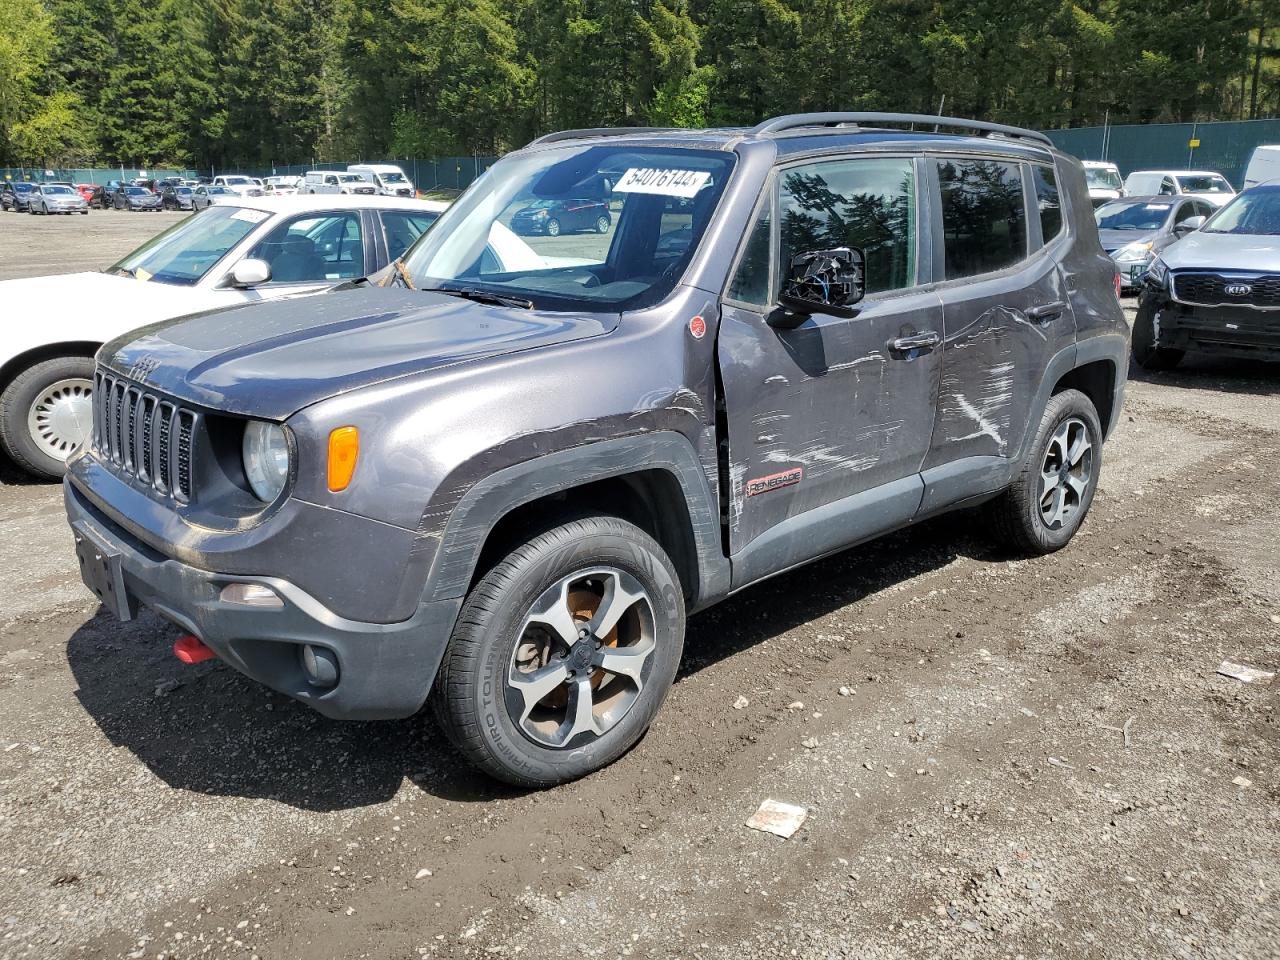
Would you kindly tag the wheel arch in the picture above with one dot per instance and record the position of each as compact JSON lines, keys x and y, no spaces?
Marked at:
{"x":653,"y":480}
{"x":10,"y":369}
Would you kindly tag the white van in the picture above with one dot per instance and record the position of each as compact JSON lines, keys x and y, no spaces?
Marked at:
{"x":335,"y":181}
{"x":1177,"y":183}
{"x":1264,"y":165}
{"x":388,"y":178}
{"x":1104,"y":181}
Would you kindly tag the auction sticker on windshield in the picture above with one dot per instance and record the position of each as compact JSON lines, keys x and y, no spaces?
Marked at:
{"x":253,"y":216}
{"x":667,"y":183}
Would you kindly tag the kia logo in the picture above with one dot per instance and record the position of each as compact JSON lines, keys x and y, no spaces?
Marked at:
{"x":1237,"y":289}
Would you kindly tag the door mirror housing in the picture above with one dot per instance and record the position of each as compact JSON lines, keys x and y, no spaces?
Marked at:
{"x":821,"y":281}
{"x":250,"y":272}
{"x":1188,"y":225}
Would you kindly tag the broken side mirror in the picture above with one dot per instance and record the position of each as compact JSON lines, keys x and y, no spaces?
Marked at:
{"x":821,"y":281}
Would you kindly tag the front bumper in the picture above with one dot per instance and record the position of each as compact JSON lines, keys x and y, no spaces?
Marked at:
{"x":1225,"y":331}
{"x":385,"y":669}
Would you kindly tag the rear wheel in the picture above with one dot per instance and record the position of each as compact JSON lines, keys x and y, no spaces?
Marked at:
{"x":1146,"y":352}
{"x":563,"y":653}
{"x":1050,"y":496}
{"x":46,"y":413}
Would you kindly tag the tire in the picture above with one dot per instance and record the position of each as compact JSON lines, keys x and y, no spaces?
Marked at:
{"x":1145,"y":352}
{"x":553,"y":227}
{"x":485,"y":714}
{"x":17,"y":404}
{"x":602,"y":224}
{"x":1020,"y":516}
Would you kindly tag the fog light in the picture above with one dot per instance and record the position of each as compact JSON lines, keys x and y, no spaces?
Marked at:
{"x":250,"y":594}
{"x":319,"y":664}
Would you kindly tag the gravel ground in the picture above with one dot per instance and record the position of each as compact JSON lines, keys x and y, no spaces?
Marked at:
{"x":972,"y":792}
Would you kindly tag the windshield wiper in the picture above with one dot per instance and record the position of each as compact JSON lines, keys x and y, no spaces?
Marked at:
{"x":484,"y":296}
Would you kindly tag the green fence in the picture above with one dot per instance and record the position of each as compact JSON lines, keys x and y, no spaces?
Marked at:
{"x":1224,"y":146}
{"x":87,"y":174}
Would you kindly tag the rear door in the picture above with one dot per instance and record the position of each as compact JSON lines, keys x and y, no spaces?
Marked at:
{"x":1005,"y":313}
{"x":837,"y":406}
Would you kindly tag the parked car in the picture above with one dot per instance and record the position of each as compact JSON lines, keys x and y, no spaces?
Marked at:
{"x":103,"y":196}
{"x":130,"y":197}
{"x":206,"y":195}
{"x":243,"y":250}
{"x":56,"y":198}
{"x":85,"y":190}
{"x":1178,"y":183}
{"x":1134,"y":231}
{"x":1264,"y":165}
{"x":177,"y":197}
{"x":281,"y":186}
{"x":554,"y":217}
{"x":388,"y":179}
{"x":1104,"y":181}
{"x":508,"y":516}
{"x":238,"y":183}
{"x":16,"y":195}
{"x":330,"y":181}
{"x":1218,"y":291}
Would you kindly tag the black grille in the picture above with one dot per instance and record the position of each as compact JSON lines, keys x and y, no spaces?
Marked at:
{"x":1210,"y":289}
{"x":143,"y":436}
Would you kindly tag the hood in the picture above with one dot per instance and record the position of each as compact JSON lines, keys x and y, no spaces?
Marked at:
{"x":1113,"y":240}
{"x":1224,"y":251}
{"x":270,"y":360}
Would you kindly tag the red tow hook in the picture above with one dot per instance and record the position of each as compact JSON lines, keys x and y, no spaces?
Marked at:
{"x":191,"y":649}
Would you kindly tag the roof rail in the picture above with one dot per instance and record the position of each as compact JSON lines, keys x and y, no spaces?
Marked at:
{"x":598,"y":132}
{"x":798,"y":121}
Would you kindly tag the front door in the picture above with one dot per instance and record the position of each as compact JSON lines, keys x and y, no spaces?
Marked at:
{"x":835,"y":407}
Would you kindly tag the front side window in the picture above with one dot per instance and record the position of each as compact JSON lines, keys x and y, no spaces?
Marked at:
{"x":750,"y":282}
{"x":1048,"y":200}
{"x":984,"y":218}
{"x":401,"y":229}
{"x":865,"y":203}
{"x":314,"y":248}
{"x":601,"y":227}
{"x":188,"y":250}
{"x":1185,"y":212}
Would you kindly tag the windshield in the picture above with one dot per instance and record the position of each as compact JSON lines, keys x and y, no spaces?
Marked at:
{"x":350,"y":177}
{"x":182,"y":190}
{"x":396,"y":177}
{"x":136,"y":191}
{"x":1255,"y":212}
{"x":602,"y":250}
{"x":1120,"y":215}
{"x":188,"y":250}
{"x":24,"y":187}
{"x":218,"y":190}
{"x":1204,"y":183}
{"x":1103,"y":178}
{"x":236,"y":180}
{"x":57,"y":190}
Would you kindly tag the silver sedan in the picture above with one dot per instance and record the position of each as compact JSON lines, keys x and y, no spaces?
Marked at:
{"x":50,"y":198}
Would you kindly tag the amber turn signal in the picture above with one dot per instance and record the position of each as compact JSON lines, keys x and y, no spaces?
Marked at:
{"x":344,"y":448}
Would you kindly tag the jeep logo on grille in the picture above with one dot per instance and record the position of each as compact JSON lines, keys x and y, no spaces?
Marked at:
{"x":1237,"y":289}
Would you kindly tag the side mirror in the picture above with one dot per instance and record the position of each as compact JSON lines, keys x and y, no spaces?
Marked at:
{"x":1188,"y":225}
{"x":821,"y":281}
{"x":250,"y":273}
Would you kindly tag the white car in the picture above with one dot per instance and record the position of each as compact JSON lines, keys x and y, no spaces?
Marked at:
{"x":281,"y":186}
{"x":336,"y":181}
{"x":238,"y":183}
{"x":1103,"y":180}
{"x":1178,"y":183}
{"x":389,"y":179}
{"x":242,"y":250}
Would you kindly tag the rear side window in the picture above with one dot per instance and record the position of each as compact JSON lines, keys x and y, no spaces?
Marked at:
{"x":1048,"y":200}
{"x":863,"y":203}
{"x":984,"y":218}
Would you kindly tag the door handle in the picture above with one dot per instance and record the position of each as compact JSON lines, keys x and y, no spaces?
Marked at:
{"x":1046,"y":312}
{"x":917,"y":341}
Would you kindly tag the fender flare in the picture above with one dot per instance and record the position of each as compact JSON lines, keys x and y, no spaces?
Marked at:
{"x":489,"y":500}
{"x":1112,"y":347}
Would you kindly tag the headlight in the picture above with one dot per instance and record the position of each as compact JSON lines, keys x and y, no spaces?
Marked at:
{"x":265,"y":451}
{"x":1157,"y":273}
{"x":1134,"y":251}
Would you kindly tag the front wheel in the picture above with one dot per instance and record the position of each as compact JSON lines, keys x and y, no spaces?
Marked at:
{"x":563,"y":653}
{"x":553,"y":228}
{"x":1050,"y":496}
{"x":602,"y":224}
{"x":46,"y":413}
{"x":1146,"y":351}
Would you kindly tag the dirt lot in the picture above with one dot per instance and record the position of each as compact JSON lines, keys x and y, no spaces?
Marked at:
{"x":973,"y":794}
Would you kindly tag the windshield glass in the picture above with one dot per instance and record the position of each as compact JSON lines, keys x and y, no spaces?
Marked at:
{"x":58,"y":190}
{"x":135,"y":191}
{"x":350,"y":177}
{"x":1255,"y":212}
{"x":236,"y":180}
{"x":24,"y":187}
{"x":601,"y":247}
{"x":1125,"y":215}
{"x":182,"y":190}
{"x":392,"y":177}
{"x":1105,"y":179}
{"x":1204,"y":183}
{"x":218,"y":190}
{"x":188,"y":250}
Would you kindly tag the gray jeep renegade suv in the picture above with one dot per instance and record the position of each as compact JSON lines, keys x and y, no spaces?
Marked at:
{"x":501,"y":481}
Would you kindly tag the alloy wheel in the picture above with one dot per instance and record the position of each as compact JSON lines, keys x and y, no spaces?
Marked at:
{"x":61,"y":416}
{"x":581,"y":658}
{"x":1066,"y":473}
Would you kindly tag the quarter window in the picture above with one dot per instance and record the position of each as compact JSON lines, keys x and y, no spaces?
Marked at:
{"x":1048,"y":200}
{"x":984,"y":217}
{"x":864,"y":203}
